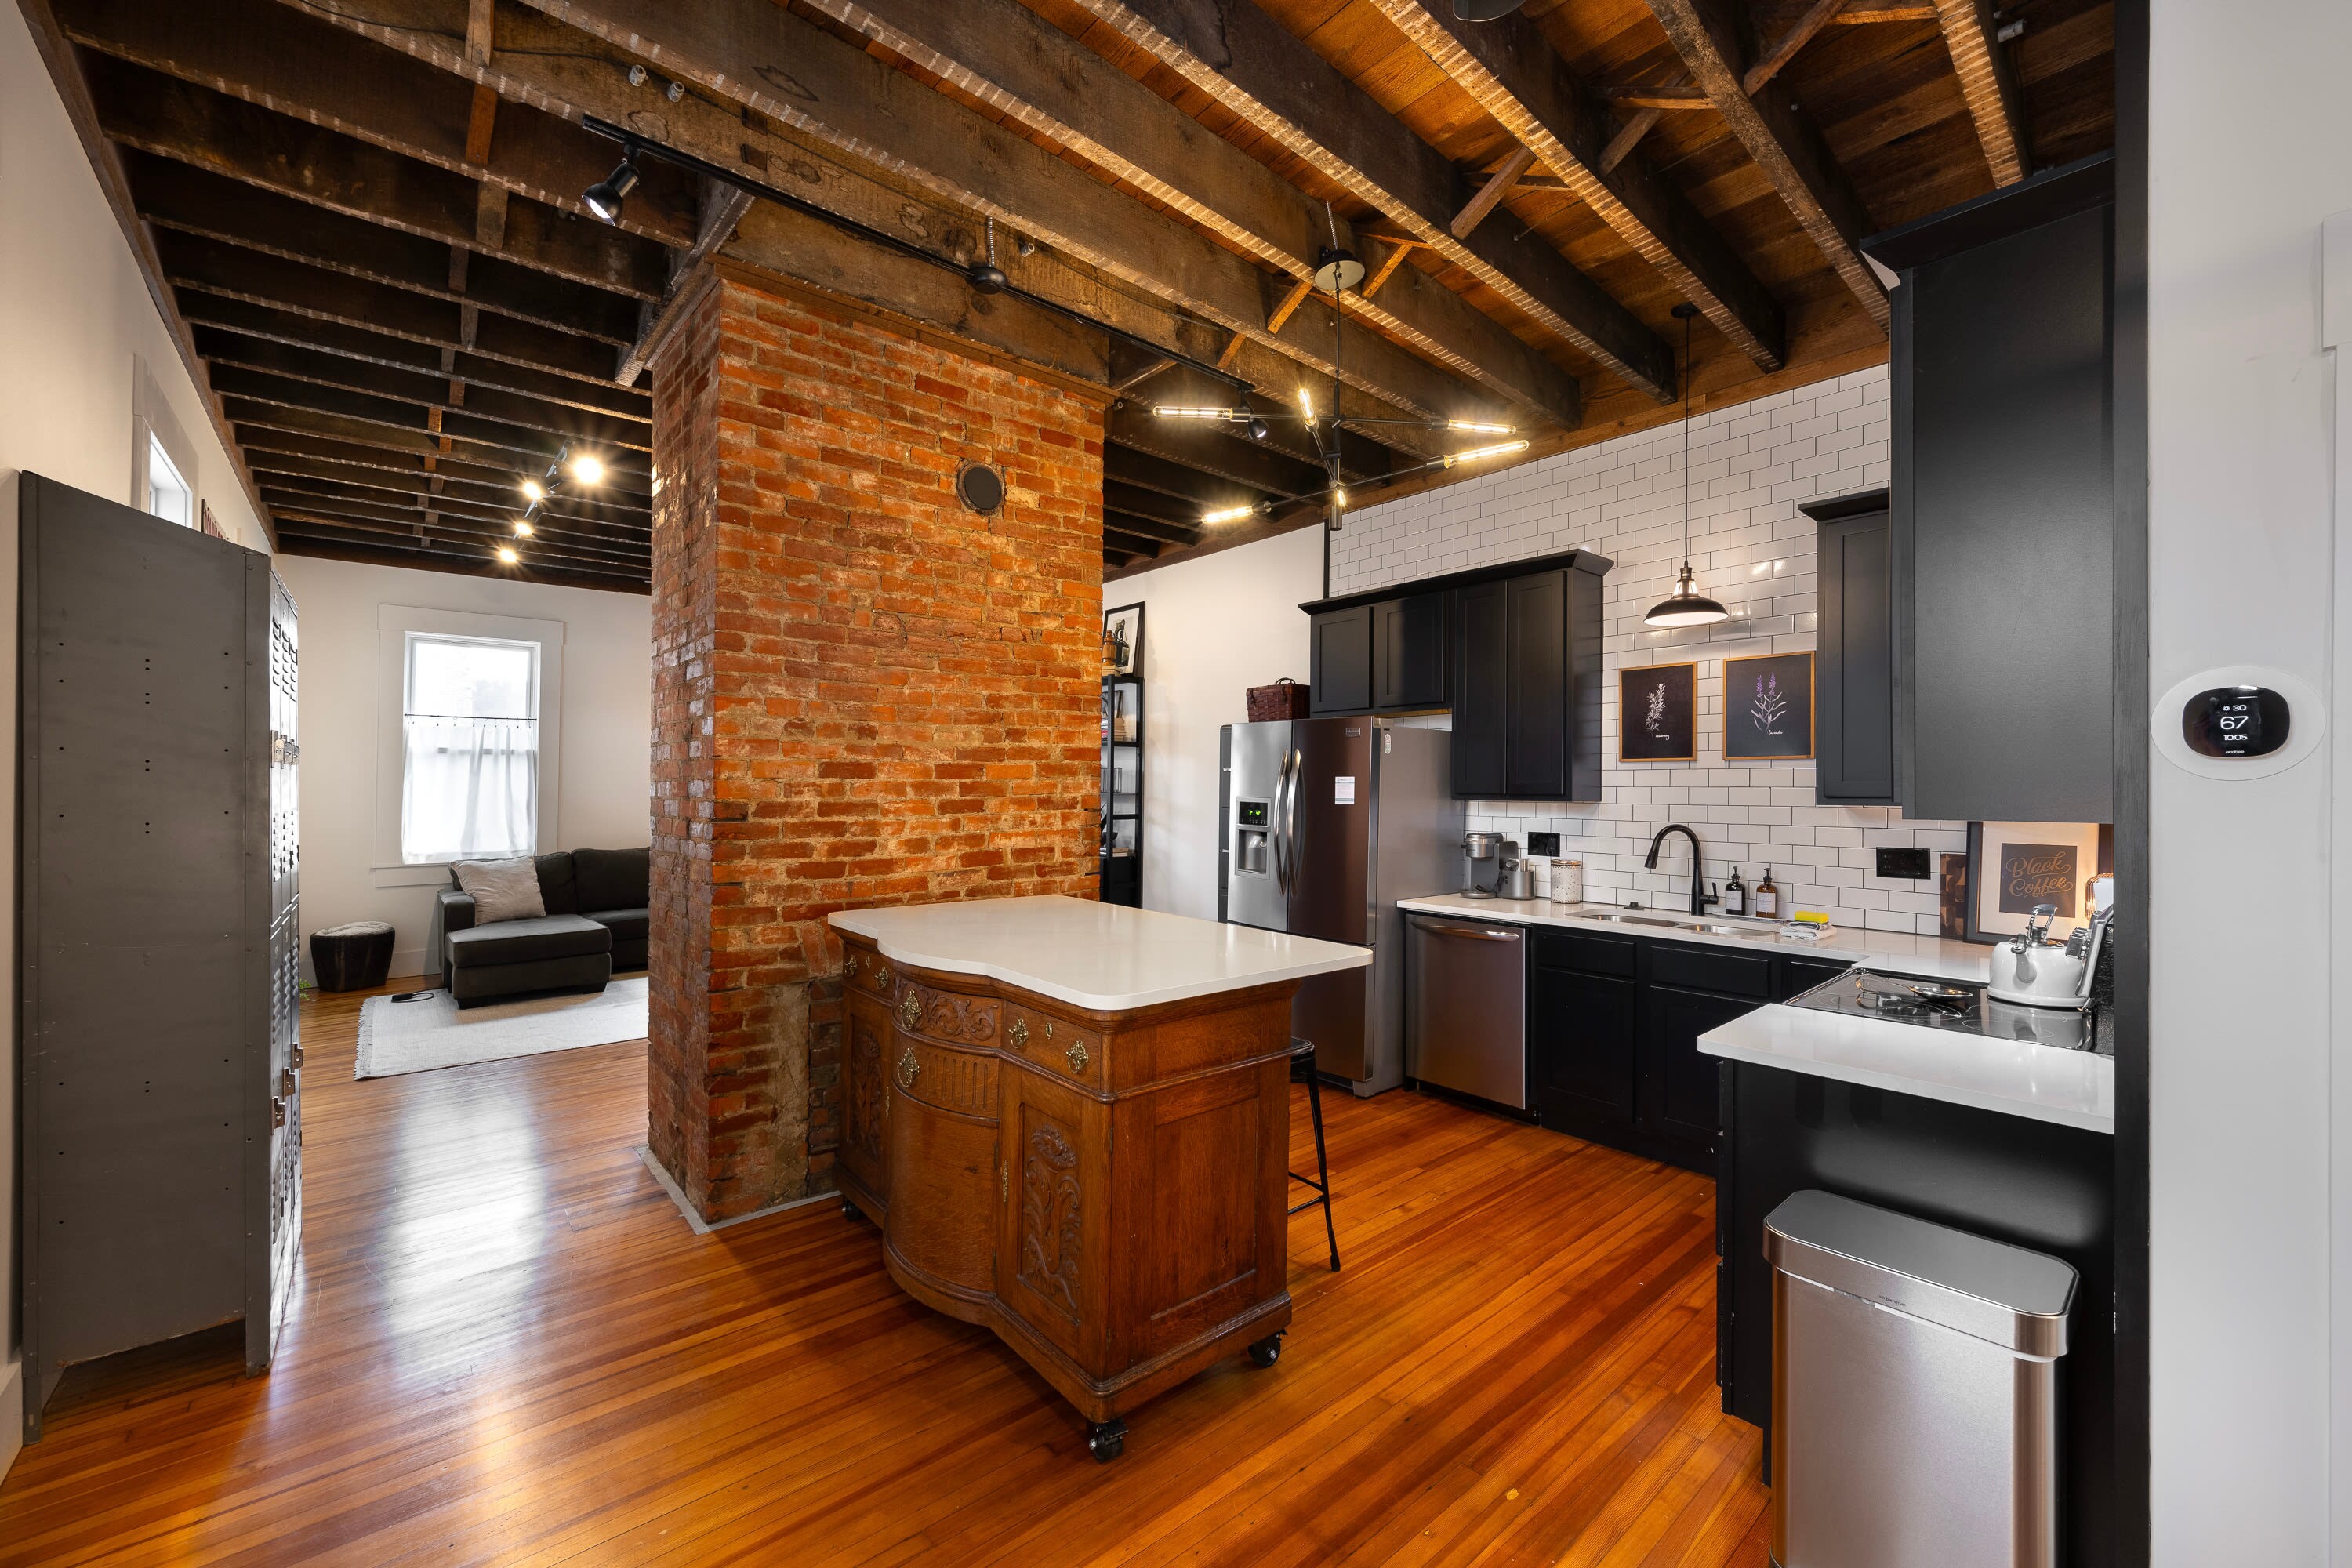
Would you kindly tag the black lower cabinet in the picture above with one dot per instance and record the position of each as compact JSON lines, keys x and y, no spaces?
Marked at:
{"x":1581,"y":1077}
{"x":2031,"y":1184}
{"x":1678,"y":1093}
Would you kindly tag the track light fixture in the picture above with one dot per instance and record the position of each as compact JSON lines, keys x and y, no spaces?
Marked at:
{"x":507,"y":553}
{"x":588,"y":468}
{"x":605,"y":196}
{"x":987,"y":277}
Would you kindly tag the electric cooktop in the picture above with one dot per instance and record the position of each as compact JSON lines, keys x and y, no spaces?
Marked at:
{"x":1958,"y":1006}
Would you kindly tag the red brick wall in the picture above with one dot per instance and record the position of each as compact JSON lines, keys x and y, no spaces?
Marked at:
{"x":863,"y":694}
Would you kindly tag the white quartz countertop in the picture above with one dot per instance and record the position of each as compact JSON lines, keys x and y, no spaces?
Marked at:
{"x":1899,"y":951}
{"x":1101,"y":956}
{"x":2073,"y":1089}
{"x":2019,"y":1077}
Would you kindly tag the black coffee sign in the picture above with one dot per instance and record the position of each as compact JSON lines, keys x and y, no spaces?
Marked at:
{"x":2034,"y":874}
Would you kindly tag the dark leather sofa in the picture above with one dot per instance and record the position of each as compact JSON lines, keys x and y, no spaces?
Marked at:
{"x":595,"y":927}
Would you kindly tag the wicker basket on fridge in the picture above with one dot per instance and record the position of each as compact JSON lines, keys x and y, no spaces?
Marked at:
{"x":1285,"y":698}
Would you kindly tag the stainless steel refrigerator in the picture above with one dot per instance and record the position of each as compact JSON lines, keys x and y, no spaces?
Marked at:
{"x":1327,"y":823}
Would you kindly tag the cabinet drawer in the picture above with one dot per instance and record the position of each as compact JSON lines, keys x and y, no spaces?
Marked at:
{"x":867,"y":971}
{"x":1587,"y":954}
{"x":961,"y":1081}
{"x":1704,"y":969}
{"x":1056,"y":1045}
{"x":948,"y":1016}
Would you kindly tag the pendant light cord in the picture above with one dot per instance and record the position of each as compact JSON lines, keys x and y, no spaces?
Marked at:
{"x":1686,"y":391}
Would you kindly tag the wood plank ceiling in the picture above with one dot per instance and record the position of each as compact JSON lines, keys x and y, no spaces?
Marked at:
{"x":367,"y":219}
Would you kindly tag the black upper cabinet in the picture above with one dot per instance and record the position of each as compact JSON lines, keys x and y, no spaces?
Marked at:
{"x":1480,"y":620}
{"x":2001,"y":517}
{"x":1409,"y":652}
{"x":1855,"y":678}
{"x":1514,"y":650}
{"x":1342,"y":659}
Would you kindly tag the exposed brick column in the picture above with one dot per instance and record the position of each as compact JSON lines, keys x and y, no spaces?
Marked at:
{"x":864,"y":693}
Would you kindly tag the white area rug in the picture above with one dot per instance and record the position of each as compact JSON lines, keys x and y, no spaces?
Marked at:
{"x":434,"y":1032}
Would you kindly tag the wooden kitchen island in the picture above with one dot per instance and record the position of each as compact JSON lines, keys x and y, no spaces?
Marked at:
{"x":1072,"y":1121}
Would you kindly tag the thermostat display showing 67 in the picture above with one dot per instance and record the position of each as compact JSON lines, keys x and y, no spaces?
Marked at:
{"x":2238,"y":722}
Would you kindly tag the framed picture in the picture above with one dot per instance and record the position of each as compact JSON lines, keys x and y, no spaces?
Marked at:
{"x":1657,"y":714}
{"x":2014,"y":866}
{"x":1123,"y":640}
{"x":1768,"y":707}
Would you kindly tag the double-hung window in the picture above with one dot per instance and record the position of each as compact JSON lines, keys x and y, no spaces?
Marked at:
{"x":471,"y":749}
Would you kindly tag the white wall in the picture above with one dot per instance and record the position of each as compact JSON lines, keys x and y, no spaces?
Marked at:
{"x":2248,"y":153}
{"x":1750,"y":465}
{"x":606,"y":768}
{"x":1212,"y":629}
{"x":75,"y":316}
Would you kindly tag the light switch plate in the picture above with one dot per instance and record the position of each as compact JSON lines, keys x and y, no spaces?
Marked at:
{"x":1543,"y":843}
{"x":1905,"y":863}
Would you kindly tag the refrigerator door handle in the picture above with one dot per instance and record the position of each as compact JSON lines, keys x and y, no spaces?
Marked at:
{"x":1290,"y":818}
{"x":1281,"y":794}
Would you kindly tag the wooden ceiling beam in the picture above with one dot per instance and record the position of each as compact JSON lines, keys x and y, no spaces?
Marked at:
{"x":1251,"y":65}
{"x":293,"y":406}
{"x":1129,"y":543}
{"x":625,"y":469}
{"x":184,"y":196}
{"x":275,"y":444}
{"x":263,"y":323}
{"x":859,"y":106}
{"x":545,"y":542}
{"x":304,"y":67}
{"x":1989,"y":84}
{"x":413,"y":489}
{"x":1015,"y":61}
{"x":326,"y":542}
{"x":425,"y":391}
{"x":1785,"y":47}
{"x":1202,"y":491}
{"x":1513,"y":74}
{"x":1712,"y":37}
{"x":1133,"y":426}
{"x":195,"y":262}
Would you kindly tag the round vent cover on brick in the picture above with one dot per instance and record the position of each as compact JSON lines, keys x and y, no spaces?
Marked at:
{"x":980,"y":487}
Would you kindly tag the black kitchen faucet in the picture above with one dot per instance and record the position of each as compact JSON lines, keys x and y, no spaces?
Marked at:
{"x":1699,"y":900}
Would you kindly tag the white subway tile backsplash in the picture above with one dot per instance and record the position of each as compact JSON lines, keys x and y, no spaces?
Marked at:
{"x":1749,"y":465}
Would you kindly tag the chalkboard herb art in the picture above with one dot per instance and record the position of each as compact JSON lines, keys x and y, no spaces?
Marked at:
{"x":1768,"y":707}
{"x":2014,"y":866}
{"x":1657,"y":713}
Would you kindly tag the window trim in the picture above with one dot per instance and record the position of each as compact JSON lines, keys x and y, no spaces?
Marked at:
{"x":394,"y":625}
{"x":151,"y":421}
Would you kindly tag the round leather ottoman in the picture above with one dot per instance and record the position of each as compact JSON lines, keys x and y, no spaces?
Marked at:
{"x":351,"y":957}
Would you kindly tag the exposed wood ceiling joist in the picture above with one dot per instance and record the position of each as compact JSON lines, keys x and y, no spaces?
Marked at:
{"x":1713,"y":39}
{"x":1246,"y":62}
{"x":1508,"y":70}
{"x":1990,"y":85}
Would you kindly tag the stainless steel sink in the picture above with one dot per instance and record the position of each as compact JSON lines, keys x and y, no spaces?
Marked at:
{"x":1618,"y":916}
{"x":1749,"y":932}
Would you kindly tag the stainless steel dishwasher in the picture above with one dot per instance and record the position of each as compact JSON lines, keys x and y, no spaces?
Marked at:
{"x":1466,"y":1008}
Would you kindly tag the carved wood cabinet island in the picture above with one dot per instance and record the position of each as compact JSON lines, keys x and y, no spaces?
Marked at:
{"x":1072,"y":1121}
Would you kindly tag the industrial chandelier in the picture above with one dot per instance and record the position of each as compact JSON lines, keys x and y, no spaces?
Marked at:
{"x":1336,"y":270}
{"x":584,"y":469}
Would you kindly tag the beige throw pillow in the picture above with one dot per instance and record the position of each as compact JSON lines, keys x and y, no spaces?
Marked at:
{"x":502,"y":889}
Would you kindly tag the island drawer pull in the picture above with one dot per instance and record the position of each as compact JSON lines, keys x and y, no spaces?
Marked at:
{"x":1019,"y":1033}
{"x":907,"y":1069}
{"x":1076,"y":1056}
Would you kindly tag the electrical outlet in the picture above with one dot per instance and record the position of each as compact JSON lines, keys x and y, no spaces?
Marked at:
{"x":1543,"y":843}
{"x":1910,"y":863}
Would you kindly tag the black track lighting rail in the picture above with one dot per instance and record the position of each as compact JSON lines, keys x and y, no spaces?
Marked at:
{"x":984,"y":275}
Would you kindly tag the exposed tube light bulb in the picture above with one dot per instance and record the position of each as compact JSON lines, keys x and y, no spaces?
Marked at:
{"x":1228,"y":514}
{"x":523,"y":530}
{"x":1496,"y":450}
{"x":508,"y":554}
{"x":533,"y":489}
{"x":1305,"y":406}
{"x":1479,"y":428}
{"x":589,"y":468}
{"x":1180,"y":411}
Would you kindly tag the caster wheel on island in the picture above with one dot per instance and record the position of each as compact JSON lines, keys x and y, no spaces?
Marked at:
{"x":851,"y":1211}
{"x":1106,"y":1439}
{"x":1267,"y":1351}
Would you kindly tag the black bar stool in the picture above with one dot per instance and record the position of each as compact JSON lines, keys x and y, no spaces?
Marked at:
{"x":1302,"y":1059}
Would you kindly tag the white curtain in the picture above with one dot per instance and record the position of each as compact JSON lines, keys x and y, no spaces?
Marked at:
{"x":469,"y":789}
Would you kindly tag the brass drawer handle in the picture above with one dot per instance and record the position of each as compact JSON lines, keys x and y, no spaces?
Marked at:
{"x":881,"y":976}
{"x":1019,"y":1033}
{"x":849,"y":966}
{"x":911,"y":1010}
{"x":907,"y":1067}
{"x":1076,"y":1056}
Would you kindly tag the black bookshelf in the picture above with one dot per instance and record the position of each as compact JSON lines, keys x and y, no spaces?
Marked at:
{"x":1121,"y":840}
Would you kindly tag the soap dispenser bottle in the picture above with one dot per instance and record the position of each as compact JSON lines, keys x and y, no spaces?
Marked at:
{"x":1735,"y":895}
{"x":1767,"y":898}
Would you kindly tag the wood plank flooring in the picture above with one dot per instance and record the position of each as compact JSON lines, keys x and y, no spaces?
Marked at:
{"x":508,"y":1348}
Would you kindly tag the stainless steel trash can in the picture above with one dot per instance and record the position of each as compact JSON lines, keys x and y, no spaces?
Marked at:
{"x":1914,"y":1406}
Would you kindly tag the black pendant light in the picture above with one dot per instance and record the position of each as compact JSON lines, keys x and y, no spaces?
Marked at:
{"x":1687,"y":607}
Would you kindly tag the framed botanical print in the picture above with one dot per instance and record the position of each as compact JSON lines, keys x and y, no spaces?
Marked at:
{"x":2014,"y":865}
{"x":1657,"y":714}
{"x":1768,"y":707}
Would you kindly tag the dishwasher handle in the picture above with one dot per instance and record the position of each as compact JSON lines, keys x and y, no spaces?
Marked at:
{"x":1437,"y":927}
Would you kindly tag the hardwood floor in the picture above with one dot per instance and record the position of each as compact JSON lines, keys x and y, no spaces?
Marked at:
{"x":508,"y":1348}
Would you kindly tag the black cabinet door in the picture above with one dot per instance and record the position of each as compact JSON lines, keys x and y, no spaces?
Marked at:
{"x":1580,"y":1046}
{"x":1678,"y":1096}
{"x":2004,"y":528}
{"x":1855,"y":681}
{"x":1537,"y":757}
{"x":1409,"y":652}
{"x":1479,"y":621}
{"x":1800,"y":974}
{"x":1342,"y":661}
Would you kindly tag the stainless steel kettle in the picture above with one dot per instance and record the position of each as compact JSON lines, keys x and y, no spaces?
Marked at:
{"x":2031,"y":969}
